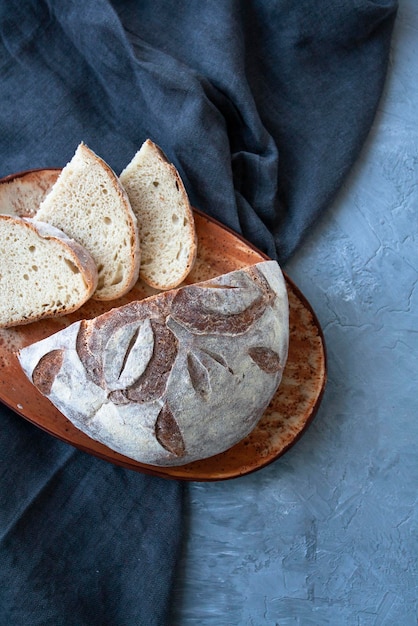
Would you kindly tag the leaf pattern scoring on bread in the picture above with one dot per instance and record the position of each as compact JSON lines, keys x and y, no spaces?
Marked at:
{"x":46,"y":370}
{"x":168,"y":433}
{"x":266,"y":359}
{"x":223,"y":309}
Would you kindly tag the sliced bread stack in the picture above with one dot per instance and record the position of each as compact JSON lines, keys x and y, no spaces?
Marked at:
{"x":138,"y":225}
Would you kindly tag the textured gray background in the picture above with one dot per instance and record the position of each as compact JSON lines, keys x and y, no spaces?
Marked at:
{"x":328,"y":533}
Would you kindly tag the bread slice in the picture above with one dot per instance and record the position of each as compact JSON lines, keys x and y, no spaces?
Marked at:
{"x":89,"y":204}
{"x":180,"y":376}
{"x":165,"y":218}
{"x":43,"y":273}
{"x":21,"y":194}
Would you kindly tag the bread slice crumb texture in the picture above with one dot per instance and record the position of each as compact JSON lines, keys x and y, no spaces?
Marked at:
{"x":89,"y":204}
{"x":22,"y":195}
{"x":165,"y":219}
{"x":43,"y":273}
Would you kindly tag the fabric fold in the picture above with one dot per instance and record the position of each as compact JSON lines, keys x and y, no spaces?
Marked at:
{"x":83,"y":541}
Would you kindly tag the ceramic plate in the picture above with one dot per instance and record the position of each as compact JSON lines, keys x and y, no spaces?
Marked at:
{"x":220,"y":250}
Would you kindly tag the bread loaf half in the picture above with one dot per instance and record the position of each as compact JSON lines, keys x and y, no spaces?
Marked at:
{"x":89,"y":204}
{"x":43,"y":273}
{"x":165,"y":218}
{"x":179,"y":376}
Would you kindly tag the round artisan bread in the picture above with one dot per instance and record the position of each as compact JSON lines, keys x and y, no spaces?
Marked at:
{"x":43,"y":273}
{"x":180,"y":376}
